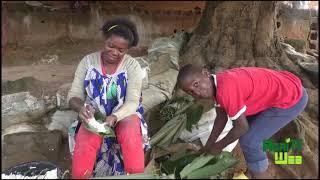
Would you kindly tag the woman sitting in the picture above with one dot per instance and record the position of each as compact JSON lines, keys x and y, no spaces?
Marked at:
{"x":110,"y":81}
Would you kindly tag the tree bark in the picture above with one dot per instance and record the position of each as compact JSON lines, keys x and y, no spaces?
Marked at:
{"x":239,"y":33}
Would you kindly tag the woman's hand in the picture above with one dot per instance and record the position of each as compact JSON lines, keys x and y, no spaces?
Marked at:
{"x":111,"y":120}
{"x":86,"y":112}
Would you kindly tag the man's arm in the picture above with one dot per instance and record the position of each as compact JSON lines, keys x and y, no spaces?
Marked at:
{"x":240,"y":127}
{"x":219,"y":124}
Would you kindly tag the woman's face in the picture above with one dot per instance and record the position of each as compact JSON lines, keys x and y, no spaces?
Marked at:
{"x":115,"y":47}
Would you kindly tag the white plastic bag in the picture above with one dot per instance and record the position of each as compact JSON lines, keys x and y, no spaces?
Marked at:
{"x":71,"y":136}
{"x":143,"y":61}
{"x":204,"y":129}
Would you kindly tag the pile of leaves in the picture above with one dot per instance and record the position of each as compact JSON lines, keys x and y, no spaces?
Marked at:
{"x":198,"y":165}
{"x":184,"y":165}
{"x":179,"y":114}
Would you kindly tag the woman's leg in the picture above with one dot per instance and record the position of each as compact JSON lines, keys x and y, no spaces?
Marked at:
{"x":85,"y":153}
{"x":130,"y":139}
{"x":262,"y":127}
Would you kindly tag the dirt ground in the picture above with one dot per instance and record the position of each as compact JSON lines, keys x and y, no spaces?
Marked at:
{"x":20,"y":61}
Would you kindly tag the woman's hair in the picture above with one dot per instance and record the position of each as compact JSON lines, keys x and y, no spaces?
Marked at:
{"x":121,"y":27}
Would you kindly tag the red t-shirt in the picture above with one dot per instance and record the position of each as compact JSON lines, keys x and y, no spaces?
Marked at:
{"x":251,"y":90}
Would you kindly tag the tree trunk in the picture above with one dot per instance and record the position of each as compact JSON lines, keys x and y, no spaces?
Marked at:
{"x":243,"y":33}
{"x":4,"y":27}
{"x":239,"y":33}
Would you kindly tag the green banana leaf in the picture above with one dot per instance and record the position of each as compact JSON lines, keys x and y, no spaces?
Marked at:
{"x":168,"y":111}
{"x":193,"y":165}
{"x":184,"y":108}
{"x":170,"y":132}
{"x":177,"y":162}
{"x":163,"y":132}
{"x":194,"y":113}
{"x":156,"y":138}
{"x":177,"y":135}
{"x":169,"y":137}
{"x":197,"y":163}
{"x":215,"y":166}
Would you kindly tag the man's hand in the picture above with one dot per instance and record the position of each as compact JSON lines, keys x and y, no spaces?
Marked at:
{"x":214,"y":149}
{"x":219,"y":124}
{"x":111,"y":120}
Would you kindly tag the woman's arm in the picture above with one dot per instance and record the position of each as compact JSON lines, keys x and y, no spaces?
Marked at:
{"x":77,"y":89}
{"x":76,"y":104}
{"x":85,"y":112}
{"x":134,"y":86}
{"x":76,"y":93}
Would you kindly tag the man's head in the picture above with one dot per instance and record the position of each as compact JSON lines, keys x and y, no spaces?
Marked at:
{"x":195,"y":81}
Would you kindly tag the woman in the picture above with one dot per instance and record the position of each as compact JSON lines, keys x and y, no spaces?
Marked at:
{"x":110,"y":81}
